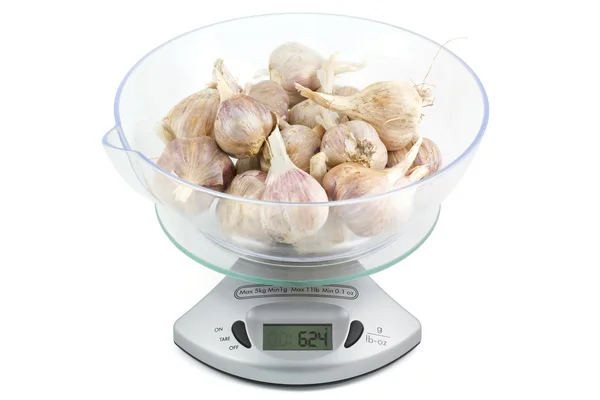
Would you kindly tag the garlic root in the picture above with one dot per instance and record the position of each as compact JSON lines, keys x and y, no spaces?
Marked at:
{"x":353,"y":141}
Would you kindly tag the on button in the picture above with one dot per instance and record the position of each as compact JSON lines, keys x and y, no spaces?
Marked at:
{"x":239,"y":332}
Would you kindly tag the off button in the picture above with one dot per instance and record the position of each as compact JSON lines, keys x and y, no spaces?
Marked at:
{"x":239,"y":332}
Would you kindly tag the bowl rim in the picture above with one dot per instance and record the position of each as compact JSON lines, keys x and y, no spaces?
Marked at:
{"x":412,"y":186}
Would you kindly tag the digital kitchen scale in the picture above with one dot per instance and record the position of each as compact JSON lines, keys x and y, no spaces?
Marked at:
{"x":297,"y":335}
{"x":289,"y":325}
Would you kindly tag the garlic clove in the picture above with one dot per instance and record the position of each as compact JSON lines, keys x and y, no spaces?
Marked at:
{"x":192,"y":117}
{"x":301,"y":143}
{"x":198,"y":161}
{"x":393,"y":108}
{"x":429,"y":155}
{"x":271,"y":95}
{"x":239,"y":218}
{"x":242,"y":123}
{"x":287,"y":183}
{"x":354,"y":141}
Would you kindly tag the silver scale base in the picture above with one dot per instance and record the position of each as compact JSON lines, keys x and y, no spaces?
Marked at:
{"x":387,"y":330}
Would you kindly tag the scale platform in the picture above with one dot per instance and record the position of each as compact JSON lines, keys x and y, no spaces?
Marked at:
{"x":297,"y":335}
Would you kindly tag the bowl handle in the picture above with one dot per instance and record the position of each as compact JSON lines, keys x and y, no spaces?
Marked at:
{"x":128,"y":163}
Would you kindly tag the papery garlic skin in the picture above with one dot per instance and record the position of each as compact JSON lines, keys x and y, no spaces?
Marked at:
{"x":351,"y":180}
{"x":198,"y":161}
{"x":393,"y":108}
{"x":287,"y":183}
{"x":192,"y":117}
{"x":354,"y":141}
{"x":345,"y":90}
{"x":272,"y":95}
{"x":220,"y":71}
{"x":340,"y":90}
{"x":301,"y":143}
{"x":429,"y":155}
{"x":242,"y":124}
{"x":240,"y":218}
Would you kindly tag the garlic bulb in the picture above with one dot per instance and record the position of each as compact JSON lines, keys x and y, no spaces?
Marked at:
{"x":353,"y":141}
{"x":301,"y":143}
{"x":429,"y":155}
{"x":271,"y":95}
{"x":192,"y":117}
{"x":293,"y":62}
{"x":352,"y":180}
{"x":287,"y":183}
{"x":198,"y":161}
{"x":393,"y":108}
{"x":247,"y":164}
{"x":241,"y":218}
{"x":242,"y":124}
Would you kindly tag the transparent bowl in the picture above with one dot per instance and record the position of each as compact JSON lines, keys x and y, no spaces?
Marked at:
{"x":456,"y":123}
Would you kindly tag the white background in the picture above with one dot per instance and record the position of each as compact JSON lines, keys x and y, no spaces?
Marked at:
{"x":507,"y":287}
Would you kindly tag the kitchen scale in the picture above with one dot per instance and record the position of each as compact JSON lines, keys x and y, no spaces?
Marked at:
{"x":293,"y":328}
{"x":306,"y":313}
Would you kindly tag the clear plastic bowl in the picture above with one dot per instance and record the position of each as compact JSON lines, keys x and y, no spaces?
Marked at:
{"x":456,"y":123}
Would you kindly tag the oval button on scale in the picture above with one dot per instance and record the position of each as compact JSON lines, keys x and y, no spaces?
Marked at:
{"x":239,"y":332}
{"x":355,"y":332}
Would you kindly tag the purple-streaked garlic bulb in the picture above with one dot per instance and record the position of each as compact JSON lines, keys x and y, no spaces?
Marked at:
{"x":286,"y":183}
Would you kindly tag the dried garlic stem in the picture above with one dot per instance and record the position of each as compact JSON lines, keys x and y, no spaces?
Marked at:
{"x":220,"y":68}
{"x":318,"y":166}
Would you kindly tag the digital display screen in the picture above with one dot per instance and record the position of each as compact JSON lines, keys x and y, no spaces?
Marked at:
{"x":297,"y":337}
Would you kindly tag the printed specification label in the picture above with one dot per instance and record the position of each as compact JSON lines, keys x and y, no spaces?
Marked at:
{"x":258,"y":291}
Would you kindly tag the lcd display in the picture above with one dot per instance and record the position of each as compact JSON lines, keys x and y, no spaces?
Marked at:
{"x":297,"y":337}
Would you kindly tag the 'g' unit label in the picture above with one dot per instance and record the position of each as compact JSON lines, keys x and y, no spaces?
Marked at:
{"x":259,"y":291}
